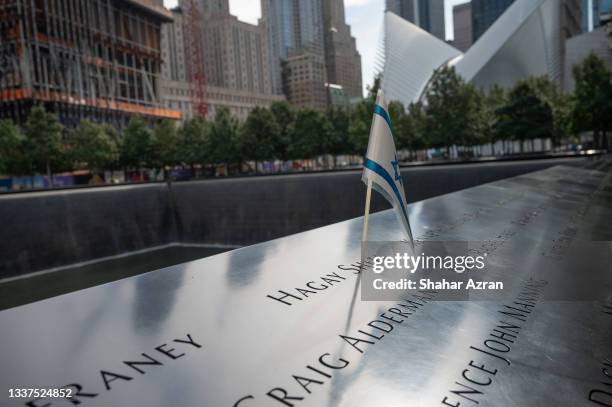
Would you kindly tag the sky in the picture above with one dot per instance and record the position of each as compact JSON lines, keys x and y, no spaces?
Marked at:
{"x":364,"y":16}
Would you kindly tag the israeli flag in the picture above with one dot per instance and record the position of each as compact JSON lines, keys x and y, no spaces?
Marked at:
{"x":381,"y":166}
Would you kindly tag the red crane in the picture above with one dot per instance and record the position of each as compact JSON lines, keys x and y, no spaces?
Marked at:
{"x":195,"y":57}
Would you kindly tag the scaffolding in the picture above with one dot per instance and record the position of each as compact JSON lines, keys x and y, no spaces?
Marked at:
{"x":94,"y":59}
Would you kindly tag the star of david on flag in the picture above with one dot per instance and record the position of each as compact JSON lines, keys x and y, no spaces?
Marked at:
{"x":381,"y":167}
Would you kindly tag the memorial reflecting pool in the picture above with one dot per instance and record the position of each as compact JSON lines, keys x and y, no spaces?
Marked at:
{"x":285,"y":318}
{"x":39,"y":287}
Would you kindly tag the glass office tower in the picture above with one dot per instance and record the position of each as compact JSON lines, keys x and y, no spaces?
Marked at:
{"x":484,"y":14}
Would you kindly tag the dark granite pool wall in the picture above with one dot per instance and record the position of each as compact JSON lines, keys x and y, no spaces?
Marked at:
{"x":42,"y":230}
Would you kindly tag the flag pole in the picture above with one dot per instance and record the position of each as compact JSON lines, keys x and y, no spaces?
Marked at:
{"x":366,"y":219}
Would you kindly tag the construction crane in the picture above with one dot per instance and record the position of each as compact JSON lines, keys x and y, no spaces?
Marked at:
{"x":195,"y":57}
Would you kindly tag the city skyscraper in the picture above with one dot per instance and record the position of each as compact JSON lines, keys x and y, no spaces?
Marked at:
{"x":214,"y":7}
{"x":173,"y":48}
{"x":485,"y":13}
{"x":236,"y":62}
{"x":462,"y":26}
{"x":236,"y":54}
{"x":278,"y":18}
{"x":427,"y":14}
{"x":295,"y":34}
{"x":310,"y":45}
{"x":304,"y":78}
{"x":591,"y":11}
{"x":304,"y":73}
{"x":342,"y":59}
{"x":308,"y":14}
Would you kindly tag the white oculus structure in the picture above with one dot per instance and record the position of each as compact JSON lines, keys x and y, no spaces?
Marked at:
{"x":524,"y":41}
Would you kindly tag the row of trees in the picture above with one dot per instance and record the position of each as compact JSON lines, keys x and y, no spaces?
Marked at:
{"x":279,"y":132}
{"x":456,"y":113}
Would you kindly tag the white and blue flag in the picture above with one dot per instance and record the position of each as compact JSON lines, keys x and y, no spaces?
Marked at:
{"x":381,"y":166}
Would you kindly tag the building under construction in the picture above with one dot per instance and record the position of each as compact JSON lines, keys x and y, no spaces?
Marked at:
{"x":83,"y":59}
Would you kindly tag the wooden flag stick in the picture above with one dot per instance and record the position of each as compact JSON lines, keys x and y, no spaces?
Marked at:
{"x":366,"y":219}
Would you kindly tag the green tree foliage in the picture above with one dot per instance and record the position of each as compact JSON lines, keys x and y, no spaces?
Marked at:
{"x":373,"y":90}
{"x":560,"y":104}
{"x":397,"y":114}
{"x":137,"y":146}
{"x":116,"y":139}
{"x":524,"y":116}
{"x":339,"y":122}
{"x":408,"y":125}
{"x":43,"y":140}
{"x":259,"y":135}
{"x":472,"y":108}
{"x":562,"y":110}
{"x":193,"y":142}
{"x":361,"y":120}
{"x":284,"y":114}
{"x":359,"y":127}
{"x":593,"y":99}
{"x":12,"y":156}
{"x":410,"y":129}
{"x":396,"y":111}
{"x":452,"y":110}
{"x":92,"y":146}
{"x":223,"y":141}
{"x":492,"y":101}
{"x":165,"y":144}
{"x":311,"y":135}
